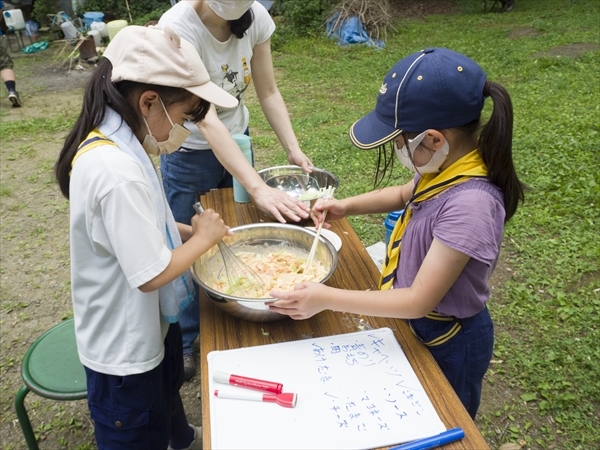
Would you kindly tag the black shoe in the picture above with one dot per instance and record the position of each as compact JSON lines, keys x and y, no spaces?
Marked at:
{"x":13,"y":96}
{"x":508,"y":5}
{"x":189,"y":366}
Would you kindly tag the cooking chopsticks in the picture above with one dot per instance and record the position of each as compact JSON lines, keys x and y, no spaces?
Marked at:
{"x":311,"y":256}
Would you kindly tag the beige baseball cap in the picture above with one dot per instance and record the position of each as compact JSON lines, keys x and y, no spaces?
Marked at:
{"x":159,"y":56}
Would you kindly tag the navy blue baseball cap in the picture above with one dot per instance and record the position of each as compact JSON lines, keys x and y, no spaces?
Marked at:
{"x":435,"y":88}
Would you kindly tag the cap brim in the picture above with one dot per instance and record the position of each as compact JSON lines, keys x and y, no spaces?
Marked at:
{"x":370,"y":132}
{"x":214,"y":94}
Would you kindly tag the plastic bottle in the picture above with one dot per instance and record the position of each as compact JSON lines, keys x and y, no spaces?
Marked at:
{"x":97,"y":38}
{"x":100,"y":27}
{"x":114,"y":26}
{"x":69,"y":30}
{"x":240,"y":194}
{"x":390,"y":223}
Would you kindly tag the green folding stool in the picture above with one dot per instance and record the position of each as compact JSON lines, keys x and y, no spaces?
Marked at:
{"x":51,"y":369}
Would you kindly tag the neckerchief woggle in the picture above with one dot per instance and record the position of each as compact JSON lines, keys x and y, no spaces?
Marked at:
{"x":429,"y":185}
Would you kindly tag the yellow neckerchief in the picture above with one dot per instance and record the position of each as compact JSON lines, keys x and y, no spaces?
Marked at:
{"x":94,"y":139}
{"x":430,"y":185}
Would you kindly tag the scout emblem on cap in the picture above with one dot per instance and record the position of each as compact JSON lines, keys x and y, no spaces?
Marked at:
{"x":383,"y":88}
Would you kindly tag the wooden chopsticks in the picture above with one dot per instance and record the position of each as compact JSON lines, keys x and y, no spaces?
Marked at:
{"x":311,"y":256}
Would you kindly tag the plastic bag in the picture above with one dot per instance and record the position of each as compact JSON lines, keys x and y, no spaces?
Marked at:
{"x":351,"y":31}
{"x":31,"y":27}
{"x":36,"y":47}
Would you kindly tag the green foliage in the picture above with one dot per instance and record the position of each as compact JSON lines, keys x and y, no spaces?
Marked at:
{"x":41,"y":10}
{"x":142,"y":11}
{"x":302,"y":17}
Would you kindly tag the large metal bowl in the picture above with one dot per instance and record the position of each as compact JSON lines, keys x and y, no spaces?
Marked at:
{"x":259,"y":235}
{"x":297,"y":183}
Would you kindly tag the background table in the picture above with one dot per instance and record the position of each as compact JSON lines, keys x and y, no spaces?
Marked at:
{"x":356,"y":270}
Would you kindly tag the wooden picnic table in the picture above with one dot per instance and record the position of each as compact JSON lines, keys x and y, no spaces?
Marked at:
{"x":355,"y":270}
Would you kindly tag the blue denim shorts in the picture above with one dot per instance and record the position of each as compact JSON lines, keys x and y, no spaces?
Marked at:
{"x":135,"y":411}
{"x":187,"y":175}
{"x":465,"y":357}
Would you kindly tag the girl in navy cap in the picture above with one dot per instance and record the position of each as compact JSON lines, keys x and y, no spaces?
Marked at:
{"x":445,"y":246}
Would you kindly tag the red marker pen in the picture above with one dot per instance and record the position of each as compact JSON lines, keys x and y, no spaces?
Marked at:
{"x":287,"y":400}
{"x":250,"y":383}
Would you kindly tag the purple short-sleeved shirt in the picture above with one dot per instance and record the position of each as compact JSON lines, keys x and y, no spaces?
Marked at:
{"x":468,"y":217}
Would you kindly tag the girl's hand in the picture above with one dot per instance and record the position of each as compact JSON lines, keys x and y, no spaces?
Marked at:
{"x":209,"y":226}
{"x":303,"y":302}
{"x":336,"y":210}
{"x":278,"y":204}
{"x":298,"y":158}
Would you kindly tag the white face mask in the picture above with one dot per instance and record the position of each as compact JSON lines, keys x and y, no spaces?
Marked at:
{"x":177,"y":137}
{"x":432,"y":166}
{"x":229,"y":9}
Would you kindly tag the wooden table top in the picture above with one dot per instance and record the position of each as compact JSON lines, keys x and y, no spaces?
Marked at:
{"x":356,"y":270}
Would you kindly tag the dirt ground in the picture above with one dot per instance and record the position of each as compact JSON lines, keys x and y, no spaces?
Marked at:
{"x":34,"y":272}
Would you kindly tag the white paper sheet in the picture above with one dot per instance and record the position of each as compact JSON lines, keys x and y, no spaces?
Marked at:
{"x":355,"y":391}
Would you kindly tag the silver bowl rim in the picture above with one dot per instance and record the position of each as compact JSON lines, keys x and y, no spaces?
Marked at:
{"x":288,"y":167}
{"x":231,"y":298}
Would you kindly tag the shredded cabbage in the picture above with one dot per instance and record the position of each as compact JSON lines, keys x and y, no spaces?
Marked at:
{"x":279,"y":270}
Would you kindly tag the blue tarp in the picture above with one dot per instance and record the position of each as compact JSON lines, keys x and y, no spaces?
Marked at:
{"x":351,"y":31}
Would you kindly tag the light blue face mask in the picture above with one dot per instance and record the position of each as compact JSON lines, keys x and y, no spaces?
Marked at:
{"x":432,"y":166}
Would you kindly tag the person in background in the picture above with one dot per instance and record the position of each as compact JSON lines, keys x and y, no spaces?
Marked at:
{"x":233,"y":38}
{"x":6,"y":68}
{"x":130,"y":276}
{"x":445,"y":246}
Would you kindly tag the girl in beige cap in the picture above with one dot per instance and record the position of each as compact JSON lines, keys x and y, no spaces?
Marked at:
{"x":129,"y":268}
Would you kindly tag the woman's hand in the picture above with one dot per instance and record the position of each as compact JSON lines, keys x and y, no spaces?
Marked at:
{"x":278,"y":204}
{"x":302,"y":303}
{"x":298,"y":158}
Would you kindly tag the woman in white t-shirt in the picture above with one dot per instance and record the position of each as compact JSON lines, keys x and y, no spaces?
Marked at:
{"x":233,"y":38}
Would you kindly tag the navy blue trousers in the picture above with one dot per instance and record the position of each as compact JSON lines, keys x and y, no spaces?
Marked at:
{"x":140,"y":411}
{"x":464,"y":358}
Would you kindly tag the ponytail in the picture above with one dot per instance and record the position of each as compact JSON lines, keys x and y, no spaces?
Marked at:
{"x":495,"y":148}
{"x":239,"y":26}
{"x":91,"y":116}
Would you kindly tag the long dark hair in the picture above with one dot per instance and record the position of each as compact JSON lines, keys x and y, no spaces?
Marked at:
{"x":122,"y":97}
{"x":495,"y":148}
{"x":494,"y":144}
{"x":239,"y":26}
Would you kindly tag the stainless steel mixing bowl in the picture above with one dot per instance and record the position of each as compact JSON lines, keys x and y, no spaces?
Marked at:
{"x":296,"y":182}
{"x":259,"y":236}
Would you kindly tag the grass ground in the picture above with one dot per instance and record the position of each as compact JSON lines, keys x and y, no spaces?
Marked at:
{"x":546,"y":300}
{"x":543,"y":389}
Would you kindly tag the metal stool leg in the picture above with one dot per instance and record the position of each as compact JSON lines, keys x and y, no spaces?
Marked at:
{"x":8,"y":40}
{"x":20,"y":42}
{"x":24,"y":419}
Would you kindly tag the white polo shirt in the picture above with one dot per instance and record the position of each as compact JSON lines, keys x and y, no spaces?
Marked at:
{"x":115,"y":248}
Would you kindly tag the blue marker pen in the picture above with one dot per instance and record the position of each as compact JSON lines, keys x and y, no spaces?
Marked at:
{"x":434,"y":441}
